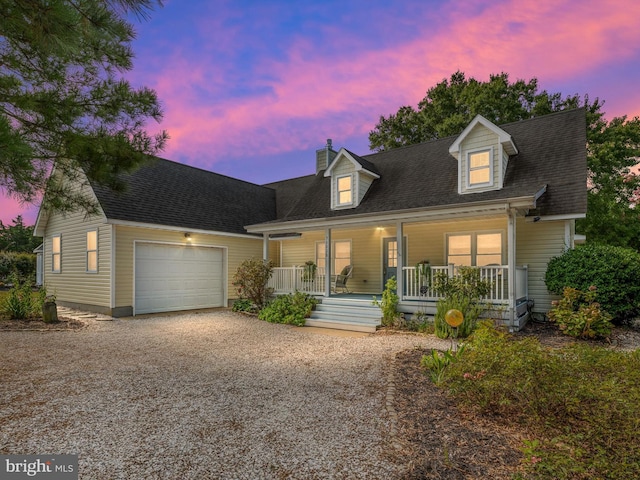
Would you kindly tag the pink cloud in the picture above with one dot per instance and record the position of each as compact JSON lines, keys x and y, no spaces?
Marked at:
{"x":308,"y":92}
{"x":10,"y":209}
{"x":301,"y":97}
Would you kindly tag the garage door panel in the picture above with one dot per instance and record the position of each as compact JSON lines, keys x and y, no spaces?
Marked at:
{"x":173,"y":277}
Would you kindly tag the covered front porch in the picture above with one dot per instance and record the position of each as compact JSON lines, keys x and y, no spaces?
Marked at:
{"x":382,"y":250}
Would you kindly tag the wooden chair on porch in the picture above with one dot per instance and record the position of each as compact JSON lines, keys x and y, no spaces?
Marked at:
{"x":340,"y":280}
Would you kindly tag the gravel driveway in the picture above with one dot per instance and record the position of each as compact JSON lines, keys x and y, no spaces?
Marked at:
{"x":208,"y":395}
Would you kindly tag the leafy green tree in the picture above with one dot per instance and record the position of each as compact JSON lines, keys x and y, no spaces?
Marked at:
{"x":63,"y":105}
{"x":613,"y":214}
{"x":450,"y":106}
{"x":18,"y":237}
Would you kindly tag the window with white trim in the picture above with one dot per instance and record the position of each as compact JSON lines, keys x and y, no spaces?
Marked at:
{"x":475,"y":249}
{"x":340,"y":253}
{"x":56,"y":253}
{"x":344,"y":190}
{"x":480,"y":168}
{"x":92,"y":251}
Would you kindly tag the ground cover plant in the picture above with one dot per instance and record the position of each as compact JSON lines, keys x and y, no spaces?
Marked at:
{"x":290,"y":309}
{"x":579,"y":403}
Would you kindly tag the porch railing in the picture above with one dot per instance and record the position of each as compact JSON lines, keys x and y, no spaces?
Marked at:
{"x":417,"y":287}
{"x":290,"y":279}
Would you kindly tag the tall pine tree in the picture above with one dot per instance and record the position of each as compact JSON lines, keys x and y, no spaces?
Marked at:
{"x":63,"y":103}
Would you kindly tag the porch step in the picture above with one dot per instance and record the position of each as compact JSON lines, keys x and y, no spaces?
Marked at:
{"x":357,"y":315}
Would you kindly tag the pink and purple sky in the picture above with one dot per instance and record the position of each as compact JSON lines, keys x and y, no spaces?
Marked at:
{"x":252,"y":88}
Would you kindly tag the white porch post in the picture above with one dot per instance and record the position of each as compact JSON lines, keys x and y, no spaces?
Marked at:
{"x":265,"y":246}
{"x":511,"y":263}
{"x":327,"y":262}
{"x":401,"y":260}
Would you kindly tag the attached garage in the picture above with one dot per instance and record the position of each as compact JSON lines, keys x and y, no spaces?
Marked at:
{"x":178,"y":277}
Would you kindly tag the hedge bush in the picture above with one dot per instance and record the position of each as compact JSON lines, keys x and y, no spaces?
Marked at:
{"x":614,"y":271}
{"x":21,"y":264}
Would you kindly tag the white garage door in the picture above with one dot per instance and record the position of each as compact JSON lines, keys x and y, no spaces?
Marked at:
{"x":175,"y":277}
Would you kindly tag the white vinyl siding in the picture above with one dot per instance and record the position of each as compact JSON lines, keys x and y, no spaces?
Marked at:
{"x":92,"y":251}
{"x":475,"y":174}
{"x":72,"y":284}
{"x":56,"y":253}
{"x":537,"y":243}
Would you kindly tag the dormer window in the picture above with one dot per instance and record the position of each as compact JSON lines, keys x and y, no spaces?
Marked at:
{"x":483,"y":151}
{"x":480,"y":168}
{"x":345,"y":190}
{"x":351,"y":176}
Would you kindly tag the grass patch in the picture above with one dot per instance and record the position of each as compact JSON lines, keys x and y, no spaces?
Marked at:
{"x":581,"y":404}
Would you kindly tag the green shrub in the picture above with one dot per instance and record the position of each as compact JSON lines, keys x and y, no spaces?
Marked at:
{"x":251,"y":280}
{"x":290,"y":309}
{"x":580,"y":403}
{"x":20,"y":302}
{"x":579,"y":315}
{"x":389,"y":303}
{"x":470,"y":311}
{"x":463,"y":292}
{"x":244,"y":305}
{"x":613,"y":270}
{"x":21,"y":264}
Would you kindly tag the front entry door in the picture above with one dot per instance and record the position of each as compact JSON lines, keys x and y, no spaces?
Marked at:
{"x":390,"y":258}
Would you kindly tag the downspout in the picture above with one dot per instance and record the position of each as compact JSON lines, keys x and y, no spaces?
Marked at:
{"x":265,"y":247}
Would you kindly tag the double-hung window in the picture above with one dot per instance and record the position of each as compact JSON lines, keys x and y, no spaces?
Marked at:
{"x":92,"y":251}
{"x":344,"y":190}
{"x":340,"y":253}
{"x":480,"y":171}
{"x":475,"y":249}
{"x":56,"y":253}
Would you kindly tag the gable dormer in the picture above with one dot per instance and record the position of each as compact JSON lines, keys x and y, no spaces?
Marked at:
{"x":351,"y":176}
{"x":482,"y":150}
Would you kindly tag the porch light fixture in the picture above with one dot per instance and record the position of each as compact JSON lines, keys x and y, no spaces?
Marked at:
{"x":187,"y":236}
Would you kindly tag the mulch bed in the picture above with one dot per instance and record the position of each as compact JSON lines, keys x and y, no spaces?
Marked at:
{"x":38,"y":325}
{"x":443,"y":441}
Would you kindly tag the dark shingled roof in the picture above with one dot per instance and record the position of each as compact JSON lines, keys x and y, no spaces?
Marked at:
{"x":366,"y":164}
{"x":168,"y":193}
{"x":552,"y":152}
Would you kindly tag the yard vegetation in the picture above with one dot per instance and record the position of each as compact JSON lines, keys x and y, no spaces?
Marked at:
{"x":579,"y":405}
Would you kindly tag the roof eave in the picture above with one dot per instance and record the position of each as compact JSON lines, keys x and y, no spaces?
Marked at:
{"x":472,"y":209}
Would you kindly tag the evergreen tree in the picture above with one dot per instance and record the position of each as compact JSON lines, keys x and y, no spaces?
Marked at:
{"x":63,"y":104}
